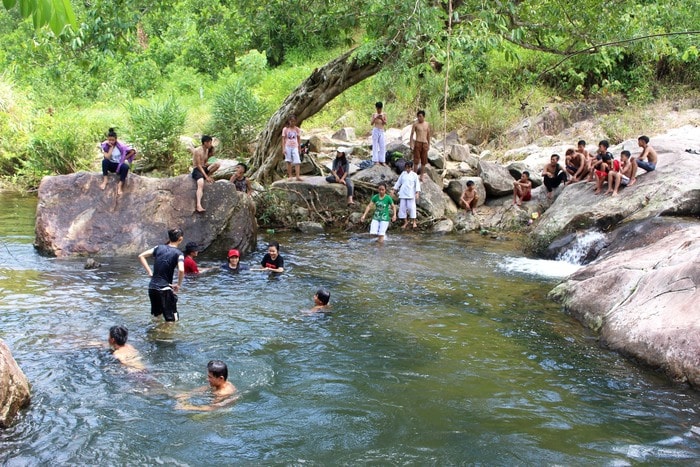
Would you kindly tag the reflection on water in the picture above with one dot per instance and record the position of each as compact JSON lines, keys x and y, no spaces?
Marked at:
{"x":435,"y":354}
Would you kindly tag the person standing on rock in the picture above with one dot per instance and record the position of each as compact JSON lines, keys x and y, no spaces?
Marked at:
{"x":340,"y":171}
{"x":161,"y":290}
{"x":380,"y":220}
{"x":421,"y":143}
{"x":117,"y":157}
{"x":408,"y":187}
{"x":378,"y":140}
{"x":647,"y":159}
{"x":553,"y":175}
{"x":291,"y":146}
{"x":202,"y":170}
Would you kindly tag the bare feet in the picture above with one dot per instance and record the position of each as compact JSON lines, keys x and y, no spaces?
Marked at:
{"x":608,"y":192}
{"x":119,"y":192}
{"x":597,"y":191}
{"x":200,"y":209}
{"x":103,"y":185}
{"x":299,"y":179}
{"x":614,"y":193}
{"x":414,"y":226}
{"x":632,"y":182}
{"x":405,"y":225}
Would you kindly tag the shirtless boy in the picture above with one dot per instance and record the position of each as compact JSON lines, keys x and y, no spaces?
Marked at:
{"x":576,"y":165}
{"x":648,"y":158}
{"x":223,"y":391}
{"x":470,"y":198}
{"x":622,"y":176}
{"x":321,"y":300}
{"x":421,"y":143}
{"x":378,"y":142}
{"x":522,"y":189}
{"x":125,"y":353}
{"x":202,"y":170}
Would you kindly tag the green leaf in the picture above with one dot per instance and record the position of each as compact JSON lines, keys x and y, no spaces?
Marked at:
{"x":9,"y":3}
{"x":27,"y":7}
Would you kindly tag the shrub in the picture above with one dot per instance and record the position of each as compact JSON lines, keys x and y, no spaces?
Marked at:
{"x":156,"y":129}
{"x":237,"y":117}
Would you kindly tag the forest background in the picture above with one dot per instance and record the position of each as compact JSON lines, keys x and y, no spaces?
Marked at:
{"x":156,"y":69}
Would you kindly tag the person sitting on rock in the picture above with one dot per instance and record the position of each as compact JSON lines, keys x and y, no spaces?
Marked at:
{"x":125,"y":353}
{"x":576,"y":165}
{"x":648,"y":158}
{"x":604,"y":163}
{"x":340,"y":172}
{"x":620,"y":176}
{"x":522,"y":189}
{"x":470,"y":197}
{"x":223,"y":392}
{"x":239,"y":179}
{"x":117,"y":157}
{"x":553,"y":175}
{"x":202,"y":169}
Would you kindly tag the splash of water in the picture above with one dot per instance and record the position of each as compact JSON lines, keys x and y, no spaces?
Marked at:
{"x":580,"y":247}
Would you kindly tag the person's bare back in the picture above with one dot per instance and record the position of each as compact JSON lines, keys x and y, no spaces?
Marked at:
{"x":129,"y":357}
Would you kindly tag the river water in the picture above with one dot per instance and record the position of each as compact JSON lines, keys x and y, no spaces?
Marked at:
{"x":439,"y":351}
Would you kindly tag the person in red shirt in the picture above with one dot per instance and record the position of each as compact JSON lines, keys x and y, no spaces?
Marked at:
{"x":191,"y":252}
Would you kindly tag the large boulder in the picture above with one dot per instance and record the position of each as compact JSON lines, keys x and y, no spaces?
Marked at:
{"x":345,"y":134}
{"x":312,"y":193}
{"x":377,"y":174}
{"x":644,"y":301}
{"x":14,"y":387}
{"x":459,"y":153}
{"x":75,"y":217}
{"x":432,"y":200}
{"x":497,"y":180}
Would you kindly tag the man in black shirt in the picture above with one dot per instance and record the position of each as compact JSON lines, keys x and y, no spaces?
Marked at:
{"x":161,"y":290}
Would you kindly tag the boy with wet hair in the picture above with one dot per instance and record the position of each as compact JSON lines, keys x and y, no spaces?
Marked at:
{"x":223,"y":391}
{"x":125,"y":353}
{"x":321,"y":300}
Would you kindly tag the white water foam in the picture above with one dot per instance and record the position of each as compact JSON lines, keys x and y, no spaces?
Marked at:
{"x":538,"y":267}
{"x":581,"y":246}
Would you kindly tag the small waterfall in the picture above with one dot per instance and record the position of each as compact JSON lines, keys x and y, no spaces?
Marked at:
{"x":579,"y":249}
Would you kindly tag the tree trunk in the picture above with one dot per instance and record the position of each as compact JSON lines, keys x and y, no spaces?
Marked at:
{"x":311,"y":96}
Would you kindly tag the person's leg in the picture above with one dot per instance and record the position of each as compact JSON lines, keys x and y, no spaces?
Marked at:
{"x":330,"y":179}
{"x":297,"y":168}
{"x":383,"y":226}
{"x":105,"y":169}
{"x":170,"y":306}
{"x":382,"y":148}
{"x":611,"y":181}
{"x":156,"y":302}
{"x":123,"y":172}
{"x":548,"y":184}
{"x":416,"y":156}
{"x":402,"y":212}
{"x":599,"y":182}
{"x":213,"y":168}
{"x":412,"y":211}
{"x":375,"y":145}
{"x":423,"y":158}
{"x":296,"y":162}
{"x":200,"y":193}
{"x":351,"y":190}
{"x":646,"y":166}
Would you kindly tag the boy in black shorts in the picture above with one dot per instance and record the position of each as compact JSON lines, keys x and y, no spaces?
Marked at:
{"x":161,"y":289}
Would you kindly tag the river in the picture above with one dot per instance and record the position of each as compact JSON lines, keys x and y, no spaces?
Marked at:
{"x":439,"y":351}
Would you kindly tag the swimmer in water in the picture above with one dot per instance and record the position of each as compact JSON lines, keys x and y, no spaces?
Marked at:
{"x":125,"y":353}
{"x":321,"y":302}
{"x":223,"y":391}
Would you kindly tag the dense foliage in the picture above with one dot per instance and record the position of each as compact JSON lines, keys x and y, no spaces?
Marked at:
{"x":230,"y":64}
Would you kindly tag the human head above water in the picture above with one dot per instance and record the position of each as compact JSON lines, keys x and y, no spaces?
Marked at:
{"x":273,"y":248}
{"x":218,"y":369}
{"x":323,"y":295}
{"x":120,"y":334}
{"x":175,"y":235}
{"x":190,"y":247}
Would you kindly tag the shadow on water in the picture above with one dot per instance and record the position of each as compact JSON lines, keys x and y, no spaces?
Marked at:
{"x":437,"y":352}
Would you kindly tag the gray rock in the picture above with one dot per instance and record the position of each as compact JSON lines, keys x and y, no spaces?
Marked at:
{"x":309,"y":227}
{"x":652,"y":312}
{"x":14,"y":387}
{"x":97,"y":222}
{"x":467,"y":222}
{"x":516,"y":170}
{"x":90,"y":263}
{"x":443,"y":226}
{"x":345,"y":134}
{"x":451,"y":139}
{"x":376,"y":174}
{"x":432,"y":200}
{"x":497,"y":180}
{"x":436,"y":159}
{"x":459,"y":153}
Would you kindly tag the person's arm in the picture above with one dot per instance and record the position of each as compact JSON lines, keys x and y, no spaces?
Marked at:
{"x":346,"y":170}
{"x":284,"y":137}
{"x":299,"y":141}
{"x":369,"y":205}
{"x":222,"y":403}
{"x":417,"y":187}
{"x":144,"y":262}
{"x":393,"y":218}
{"x":180,"y":274}
{"x":107,"y":150}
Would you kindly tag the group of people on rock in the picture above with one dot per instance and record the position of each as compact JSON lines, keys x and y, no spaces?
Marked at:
{"x":581,"y":166}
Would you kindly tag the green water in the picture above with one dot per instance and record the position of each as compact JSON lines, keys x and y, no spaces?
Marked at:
{"x":437,"y":353}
